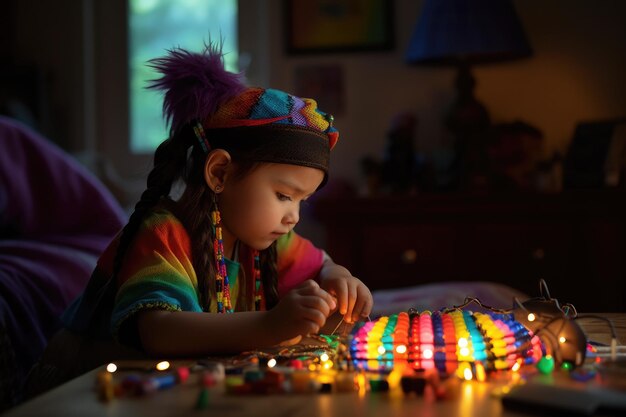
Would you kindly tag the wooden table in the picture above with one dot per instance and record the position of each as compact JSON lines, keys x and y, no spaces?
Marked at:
{"x":77,"y":397}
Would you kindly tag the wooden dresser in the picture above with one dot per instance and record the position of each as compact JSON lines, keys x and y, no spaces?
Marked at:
{"x":575,"y":241}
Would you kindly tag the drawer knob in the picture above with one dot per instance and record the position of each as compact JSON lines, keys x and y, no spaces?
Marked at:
{"x":409,"y":256}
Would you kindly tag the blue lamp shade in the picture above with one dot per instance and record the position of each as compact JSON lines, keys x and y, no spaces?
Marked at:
{"x":467,"y":31}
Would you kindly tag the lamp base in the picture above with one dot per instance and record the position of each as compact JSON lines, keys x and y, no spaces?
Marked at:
{"x":469,"y":122}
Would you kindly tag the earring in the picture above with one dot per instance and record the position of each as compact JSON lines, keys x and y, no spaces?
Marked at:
{"x":218,"y":189}
{"x":222,"y":287}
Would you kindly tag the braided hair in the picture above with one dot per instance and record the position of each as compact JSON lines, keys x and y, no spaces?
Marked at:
{"x":169,"y":163}
{"x":173,"y":161}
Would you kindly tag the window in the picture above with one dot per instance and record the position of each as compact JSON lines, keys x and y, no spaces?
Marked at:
{"x":155,"y":27}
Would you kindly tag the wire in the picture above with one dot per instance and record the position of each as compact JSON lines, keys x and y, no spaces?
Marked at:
{"x":611,"y":326}
{"x":566,"y":309}
{"x":544,"y":286}
{"x":469,"y":300}
{"x":336,"y":327}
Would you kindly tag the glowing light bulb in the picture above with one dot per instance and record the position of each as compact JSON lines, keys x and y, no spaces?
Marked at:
{"x":324,"y":357}
{"x":464,"y":351}
{"x":271,"y":363}
{"x":516,"y":366}
{"x":467,"y":374}
{"x":162,"y":366}
{"x":481,"y":375}
{"x":428,"y":354}
{"x":462,"y":342}
{"x":111,"y":367}
{"x":401,"y":349}
{"x":562,"y":339}
{"x":361,"y":381}
{"x":381,"y":350}
{"x":531,"y":317}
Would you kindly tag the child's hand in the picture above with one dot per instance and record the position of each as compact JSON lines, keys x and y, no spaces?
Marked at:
{"x":302,"y":311}
{"x":354,"y":299}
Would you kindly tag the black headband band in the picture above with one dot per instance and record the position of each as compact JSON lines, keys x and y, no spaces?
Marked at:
{"x":283,"y":144}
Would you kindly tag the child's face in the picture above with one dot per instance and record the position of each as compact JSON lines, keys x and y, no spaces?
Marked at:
{"x":265,"y":204}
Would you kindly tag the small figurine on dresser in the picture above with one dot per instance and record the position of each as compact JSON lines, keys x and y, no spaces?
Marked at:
{"x":399,"y":165}
{"x":397,"y":173}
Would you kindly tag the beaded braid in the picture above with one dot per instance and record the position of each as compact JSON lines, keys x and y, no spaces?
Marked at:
{"x":169,"y":163}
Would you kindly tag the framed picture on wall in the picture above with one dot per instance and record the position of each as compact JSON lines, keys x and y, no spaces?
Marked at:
{"x":326,"y":26}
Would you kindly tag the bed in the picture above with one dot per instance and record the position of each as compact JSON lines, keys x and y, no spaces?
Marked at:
{"x":55,"y":219}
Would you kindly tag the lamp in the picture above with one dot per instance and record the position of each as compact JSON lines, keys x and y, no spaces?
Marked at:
{"x":463,"y":33}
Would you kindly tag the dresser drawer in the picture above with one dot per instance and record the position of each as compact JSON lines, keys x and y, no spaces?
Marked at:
{"x":501,"y":252}
{"x":407,"y":255}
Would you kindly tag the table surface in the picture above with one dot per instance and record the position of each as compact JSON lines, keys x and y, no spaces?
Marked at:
{"x":472,"y":398}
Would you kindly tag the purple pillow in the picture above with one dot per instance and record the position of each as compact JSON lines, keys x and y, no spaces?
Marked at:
{"x":44,"y":191}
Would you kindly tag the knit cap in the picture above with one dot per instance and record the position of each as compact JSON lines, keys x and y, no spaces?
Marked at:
{"x":269,"y":124}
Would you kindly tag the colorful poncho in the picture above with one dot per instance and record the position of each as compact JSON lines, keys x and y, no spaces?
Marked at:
{"x":158,"y":273}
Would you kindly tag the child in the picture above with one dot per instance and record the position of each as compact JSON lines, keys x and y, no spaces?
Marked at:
{"x":248,"y":157}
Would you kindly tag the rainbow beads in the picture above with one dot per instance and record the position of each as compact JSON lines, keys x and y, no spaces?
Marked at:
{"x":222,"y":287}
{"x":546,"y":364}
{"x":222,"y":284}
{"x":455,"y":342}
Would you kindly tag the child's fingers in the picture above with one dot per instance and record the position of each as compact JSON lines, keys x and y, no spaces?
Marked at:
{"x":358,"y":308}
{"x":363,"y":305}
{"x":310,"y":287}
{"x":341,"y":291}
{"x":367,"y":308}
{"x":305,"y":317}
{"x":317,"y":303}
{"x":307,"y":287}
{"x":313,"y":320}
{"x":351,"y":293}
{"x":330,"y":300}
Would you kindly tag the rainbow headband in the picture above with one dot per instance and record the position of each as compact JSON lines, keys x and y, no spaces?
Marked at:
{"x":273,"y":126}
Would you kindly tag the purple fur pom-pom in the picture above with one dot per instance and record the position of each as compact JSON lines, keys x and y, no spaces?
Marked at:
{"x":195,"y":84}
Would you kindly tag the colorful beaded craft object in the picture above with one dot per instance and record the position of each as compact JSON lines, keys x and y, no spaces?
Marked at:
{"x":448,"y":342}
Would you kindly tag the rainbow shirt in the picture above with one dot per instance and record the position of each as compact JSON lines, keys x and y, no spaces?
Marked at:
{"x":158,"y":273}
